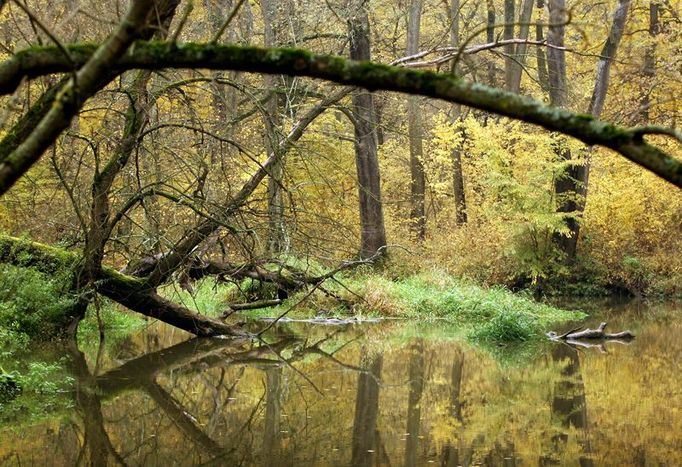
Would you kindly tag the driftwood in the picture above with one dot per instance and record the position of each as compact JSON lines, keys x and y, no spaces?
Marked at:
{"x":578,"y":334}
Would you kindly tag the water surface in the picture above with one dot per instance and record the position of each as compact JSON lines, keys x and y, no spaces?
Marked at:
{"x":392,"y":393}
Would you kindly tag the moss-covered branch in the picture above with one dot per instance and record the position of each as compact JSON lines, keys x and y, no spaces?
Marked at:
{"x":130,"y":292}
{"x":373,"y":76}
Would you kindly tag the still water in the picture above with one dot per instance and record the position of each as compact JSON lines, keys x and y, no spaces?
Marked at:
{"x":390,"y":393}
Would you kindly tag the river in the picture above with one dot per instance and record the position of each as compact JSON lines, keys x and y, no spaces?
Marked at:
{"x":389,"y":393}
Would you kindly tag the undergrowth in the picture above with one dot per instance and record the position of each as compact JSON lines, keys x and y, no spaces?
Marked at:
{"x":32,"y":303}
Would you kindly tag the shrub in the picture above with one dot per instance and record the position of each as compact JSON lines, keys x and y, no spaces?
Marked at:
{"x":32,"y":303}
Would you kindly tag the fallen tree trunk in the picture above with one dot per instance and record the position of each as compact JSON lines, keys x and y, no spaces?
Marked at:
{"x":589,"y":334}
{"x":131,"y":292}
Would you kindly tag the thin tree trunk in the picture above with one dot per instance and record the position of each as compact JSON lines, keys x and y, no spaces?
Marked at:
{"x":543,"y":75}
{"x":414,"y":122}
{"x":373,"y":234}
{"x":414,"y":403}
{"x":490,"y":38}
{"x":273,"y":124}
{"x":556,"y":58}
{"x":601,"y":86}
{"x":650,"y":61}
{"x":456,"y":154}
{"x":272,"y":436}
{"x":521,"y":49}
{"x":508,"y":33}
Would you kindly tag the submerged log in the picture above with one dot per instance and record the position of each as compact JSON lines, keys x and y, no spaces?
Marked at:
{"x":578,"y":334}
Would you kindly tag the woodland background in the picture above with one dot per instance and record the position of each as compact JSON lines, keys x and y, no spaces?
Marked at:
{"x":463,"y":190}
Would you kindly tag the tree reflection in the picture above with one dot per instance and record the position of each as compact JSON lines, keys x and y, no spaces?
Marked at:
{"x":366,"y":410}
{"x":272,"y":437}
{"x":416,"y":384}
{"x":568,"y":408}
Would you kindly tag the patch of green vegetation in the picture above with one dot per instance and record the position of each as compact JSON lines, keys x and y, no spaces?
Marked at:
{"x":507,"y":326}
{"x":32,"y":303}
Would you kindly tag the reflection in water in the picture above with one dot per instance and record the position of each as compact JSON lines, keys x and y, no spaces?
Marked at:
{"x":451,"y":452}
{"x":271,"y":433}
{"x":366,"y":410}
{"x":414,"y":399}
{"x":569,"y":408}
{"x":364,"y":396}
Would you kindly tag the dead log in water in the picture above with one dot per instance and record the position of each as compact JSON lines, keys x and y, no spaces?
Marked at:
{"x":578,"y":334}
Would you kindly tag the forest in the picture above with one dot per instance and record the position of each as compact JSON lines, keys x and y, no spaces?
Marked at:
{"x":210,"y":207}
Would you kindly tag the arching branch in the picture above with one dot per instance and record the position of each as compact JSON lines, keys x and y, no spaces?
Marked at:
{"x":372,"y":76}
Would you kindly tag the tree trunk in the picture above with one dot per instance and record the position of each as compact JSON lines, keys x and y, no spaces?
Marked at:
{"x":508,"y":33}
{"x":414,"y":402}
{"x":414,"y":123}
{"x":273,"y":129}
{"x":373,"y":234}
{"x":456,"y":154}
{"x":131,"y":292}
{"x":568,"y":410}
{"x":601,"y":86}
{"x":571,"y":187}
{"x":543,"y":77}
{"x":490,"y":38}
{"x":565,"y":184}
{"x":521,"y":49}
{"x":650,"y":61}
{"x":272,"y":435}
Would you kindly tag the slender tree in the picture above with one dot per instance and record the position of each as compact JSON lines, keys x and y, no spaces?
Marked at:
{"x":273,"y":123}
{"x":490,"y":37}
{"x":414,"y":123}
{"x":508,"y":34}
{"x":521,"y":49}
{"x":650,"y":60}
{"x":456,"y":154}
{"x":543,"y":75}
